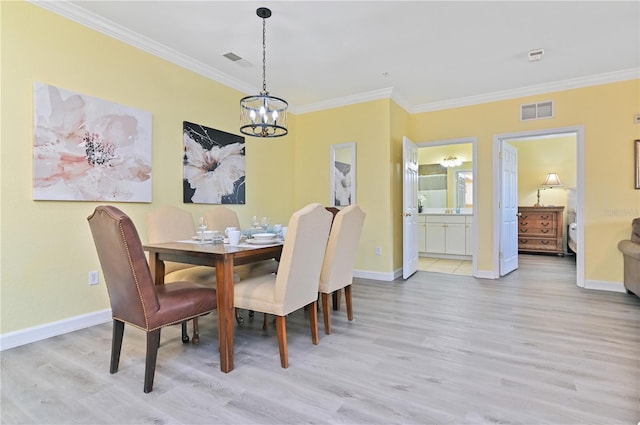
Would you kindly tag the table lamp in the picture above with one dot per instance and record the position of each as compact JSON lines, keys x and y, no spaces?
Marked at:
{"x":550,"y":182}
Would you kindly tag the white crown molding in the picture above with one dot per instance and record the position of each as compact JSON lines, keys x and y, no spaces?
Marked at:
{"x":345,"y":101}
{"x":111,"y":29}
{"x":592,"y":80}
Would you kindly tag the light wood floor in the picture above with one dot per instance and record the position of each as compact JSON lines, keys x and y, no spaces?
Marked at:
{"x":530,"y":348}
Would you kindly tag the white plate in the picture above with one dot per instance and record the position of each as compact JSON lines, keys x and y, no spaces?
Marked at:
{"x":207,"y":238}
{"x":262,"y":241}
{"x":264,"y":236}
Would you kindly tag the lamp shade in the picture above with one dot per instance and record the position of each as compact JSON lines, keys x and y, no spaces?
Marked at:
{"x":552,"y":180}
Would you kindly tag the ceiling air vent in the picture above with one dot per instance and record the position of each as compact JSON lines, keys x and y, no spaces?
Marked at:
{"x":536,"y":111}
{"x":232,"y":57}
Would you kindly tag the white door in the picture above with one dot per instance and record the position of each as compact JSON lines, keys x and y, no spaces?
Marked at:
{"x":409,"y":208}
{"x":509,"y":209}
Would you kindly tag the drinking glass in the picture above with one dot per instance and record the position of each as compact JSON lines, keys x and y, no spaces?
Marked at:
{"x":265,"y":223}
{"x":202,"y":226}
{"x":255,"y":222}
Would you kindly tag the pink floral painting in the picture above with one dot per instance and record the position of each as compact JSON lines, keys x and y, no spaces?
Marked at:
{"x":89,"y":149}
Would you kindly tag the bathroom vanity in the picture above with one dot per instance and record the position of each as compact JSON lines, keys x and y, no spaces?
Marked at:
{"x":445,"y":235}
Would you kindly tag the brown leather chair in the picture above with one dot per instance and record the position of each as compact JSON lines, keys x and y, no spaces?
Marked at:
{"x":134,"y":298}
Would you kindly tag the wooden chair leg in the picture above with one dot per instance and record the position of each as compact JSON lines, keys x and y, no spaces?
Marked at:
{"x":347,"y":297}
{"x":196,"y":332}
{"x":265,"y":322}
{"x":116,"y":345}
{"x":326,"y":313}
{"x":185,"y":333}
{"x":281,"y":329}
{"x":313,"y":322}
{"x":153,"y":339}
{"x":336,"y":300}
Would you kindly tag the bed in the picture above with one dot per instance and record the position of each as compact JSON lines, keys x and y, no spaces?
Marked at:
{"x":572,"y":237}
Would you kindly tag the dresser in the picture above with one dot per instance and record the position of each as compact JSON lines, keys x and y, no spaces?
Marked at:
{"x":540,"y":229}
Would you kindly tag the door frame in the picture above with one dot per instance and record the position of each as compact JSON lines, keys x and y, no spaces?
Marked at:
{"x":498,"y":141}
{"x":474,"y":171}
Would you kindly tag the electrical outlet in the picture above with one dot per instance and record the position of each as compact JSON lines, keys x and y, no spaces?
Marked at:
{"x":94,"y":278}
{"x":378,"y":250}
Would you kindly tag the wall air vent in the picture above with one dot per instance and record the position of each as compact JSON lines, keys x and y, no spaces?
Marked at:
{"x":536,"y":111}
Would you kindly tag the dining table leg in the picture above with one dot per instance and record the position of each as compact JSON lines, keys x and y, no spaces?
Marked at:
{"x":226,"y":316}
{"x":156,"y":267}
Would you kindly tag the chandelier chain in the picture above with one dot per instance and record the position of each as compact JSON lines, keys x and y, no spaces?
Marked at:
{"x":264,"y":55}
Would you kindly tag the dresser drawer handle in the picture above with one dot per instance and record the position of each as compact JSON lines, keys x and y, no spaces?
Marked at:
{"x":544,"y":230}
{"x":545,"y":217}
{"x":524,"y":241}
{"x":525,"y":223}
{"x":544,"y":224}
{"x":544,"y":242}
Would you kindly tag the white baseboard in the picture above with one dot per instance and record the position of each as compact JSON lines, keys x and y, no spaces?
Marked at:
{"x":486,"y":274}
{"x":602,"y":285}
{"x":387,"y":277}
{"x":38,"y":333}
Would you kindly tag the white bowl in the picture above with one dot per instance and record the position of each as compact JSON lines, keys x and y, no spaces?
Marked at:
{"x":264,"y":236}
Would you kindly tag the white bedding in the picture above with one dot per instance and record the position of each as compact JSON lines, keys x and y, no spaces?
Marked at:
{"x":573,"y":237}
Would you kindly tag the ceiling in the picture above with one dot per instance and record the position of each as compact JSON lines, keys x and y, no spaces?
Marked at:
{"x":424,"y":54}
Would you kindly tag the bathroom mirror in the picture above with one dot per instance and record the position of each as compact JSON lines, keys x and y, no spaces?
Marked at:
{"x":445,"y":179}
{"x":343,"y":174}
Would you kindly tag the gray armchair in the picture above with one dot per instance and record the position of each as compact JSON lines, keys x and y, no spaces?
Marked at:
{"x":630,"y":249}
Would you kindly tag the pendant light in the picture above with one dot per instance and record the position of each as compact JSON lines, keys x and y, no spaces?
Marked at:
{"x":263,"y":115}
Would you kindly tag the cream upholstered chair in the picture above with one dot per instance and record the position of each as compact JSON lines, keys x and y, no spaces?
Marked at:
{"x":339,"y":259}
{"x":219,"y":218}
{"x":168,"y":224}
{"x":134,"y":298}
{"x":296,"y":283}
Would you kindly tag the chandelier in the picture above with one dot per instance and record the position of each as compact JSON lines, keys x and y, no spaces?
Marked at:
{"x":451,"y":161}
{"x":263,"y":115}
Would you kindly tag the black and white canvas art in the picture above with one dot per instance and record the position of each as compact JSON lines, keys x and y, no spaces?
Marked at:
{"x":214,"y":166}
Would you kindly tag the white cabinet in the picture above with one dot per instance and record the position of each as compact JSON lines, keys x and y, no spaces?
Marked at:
{"x":446,"y":234}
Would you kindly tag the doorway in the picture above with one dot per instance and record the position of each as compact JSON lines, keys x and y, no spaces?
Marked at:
{"x":528,"y":195}
{"x":446,"y":192}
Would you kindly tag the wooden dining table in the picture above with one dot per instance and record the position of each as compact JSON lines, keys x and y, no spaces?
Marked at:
{"x":223,"y":257}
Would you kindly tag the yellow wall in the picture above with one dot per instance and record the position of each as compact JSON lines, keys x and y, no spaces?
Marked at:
{"x":366,"y":124}
{"x":606,"y":112}
{"x":48,"y":249}
{"x":44,"y":276}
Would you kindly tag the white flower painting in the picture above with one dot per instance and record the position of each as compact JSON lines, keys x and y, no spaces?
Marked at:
{"x":342,"y":184}
{"x":89,"y":149}
{"x":214,"y":166}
